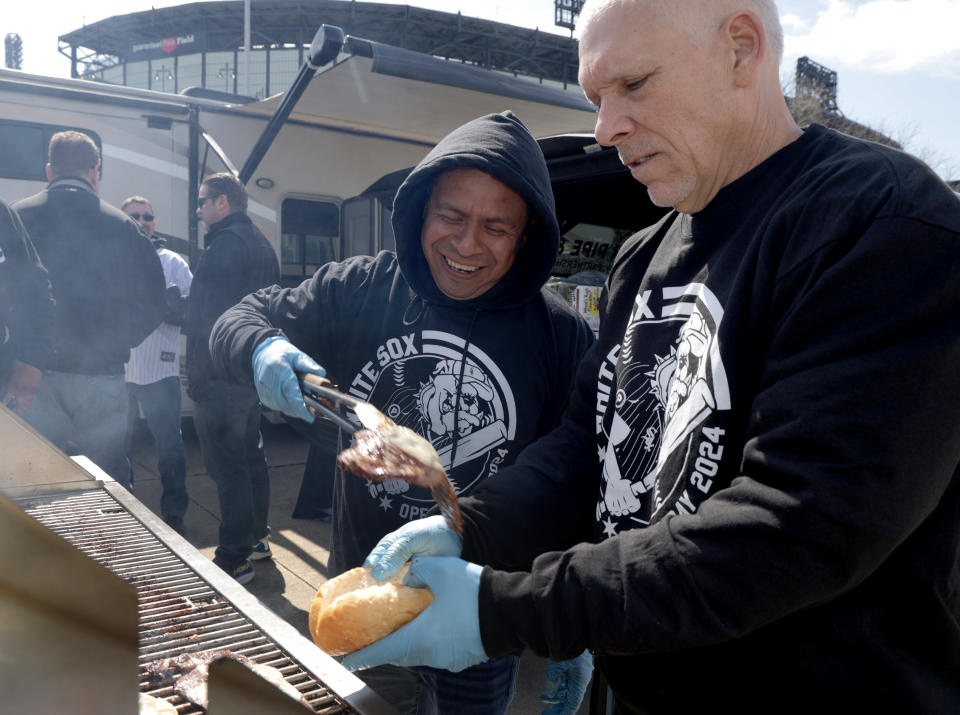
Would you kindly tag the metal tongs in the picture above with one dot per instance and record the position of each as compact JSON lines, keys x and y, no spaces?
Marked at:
{"x":317,"y":391}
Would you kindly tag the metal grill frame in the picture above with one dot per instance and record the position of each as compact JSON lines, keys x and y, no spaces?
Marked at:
{"x":186,"y":603}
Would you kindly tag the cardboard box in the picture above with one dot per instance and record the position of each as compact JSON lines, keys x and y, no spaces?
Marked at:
{"x":585,"y":300}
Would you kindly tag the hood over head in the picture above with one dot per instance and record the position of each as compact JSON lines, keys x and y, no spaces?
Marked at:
{"x":500,"y":145}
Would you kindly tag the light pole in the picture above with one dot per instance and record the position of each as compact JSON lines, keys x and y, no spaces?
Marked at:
{"x":246,"y":47}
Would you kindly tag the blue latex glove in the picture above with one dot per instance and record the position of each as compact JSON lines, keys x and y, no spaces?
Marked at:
{"x":447,"y":633}
{"x":424,"y":537}
{"x":274,"y":363}
{"x":566,"y":684}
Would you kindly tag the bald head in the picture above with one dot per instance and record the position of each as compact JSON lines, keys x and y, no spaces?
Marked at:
{"x":688,"y":91}
{"x":698,"y":17}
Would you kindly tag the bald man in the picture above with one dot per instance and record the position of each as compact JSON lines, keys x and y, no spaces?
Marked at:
{"x":752,"y":502}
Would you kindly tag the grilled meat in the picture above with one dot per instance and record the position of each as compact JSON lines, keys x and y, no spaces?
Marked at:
{"x":189,"y":673}
{"x":386,"y":450}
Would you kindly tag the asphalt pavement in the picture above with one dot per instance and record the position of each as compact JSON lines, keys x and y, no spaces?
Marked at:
{"x":286,"y":583}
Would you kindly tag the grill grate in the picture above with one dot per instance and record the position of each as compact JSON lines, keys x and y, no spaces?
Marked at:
{"x":179,"y":612}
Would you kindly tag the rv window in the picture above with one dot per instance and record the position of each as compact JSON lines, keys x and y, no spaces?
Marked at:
{"x":23,"y":146}
{"x":359,"y":227}
{"x":309,"y":231}
{"x":366,"y":225}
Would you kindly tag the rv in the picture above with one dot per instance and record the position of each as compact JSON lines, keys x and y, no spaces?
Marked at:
{"x":372,"y":110}
{"x":322,"y":161}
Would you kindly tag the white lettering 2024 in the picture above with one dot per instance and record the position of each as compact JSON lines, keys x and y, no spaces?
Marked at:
{"x":706,"y":464}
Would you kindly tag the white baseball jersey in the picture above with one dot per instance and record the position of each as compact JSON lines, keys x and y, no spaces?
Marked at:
{"x":158,"y":356}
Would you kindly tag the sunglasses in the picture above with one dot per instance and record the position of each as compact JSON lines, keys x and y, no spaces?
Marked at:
{"x":201,"y":200}
{"x":146,"y":217}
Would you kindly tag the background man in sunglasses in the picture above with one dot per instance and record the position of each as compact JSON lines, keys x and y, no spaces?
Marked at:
{"x":237,"y":260}
{"x":153,"y":373}
{"x":107,"y":282}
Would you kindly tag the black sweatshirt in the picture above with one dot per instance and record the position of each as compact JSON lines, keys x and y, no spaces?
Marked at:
{"x":386,"y":334}
{"x":238,"y":260}
{"x":106,"y":278}
{"x":760,"y":456}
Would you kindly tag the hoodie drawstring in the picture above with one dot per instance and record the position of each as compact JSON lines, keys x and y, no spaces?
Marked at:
{"x":415,"y":300}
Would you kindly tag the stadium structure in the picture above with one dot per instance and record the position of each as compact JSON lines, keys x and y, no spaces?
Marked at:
{"x":201,"y":44}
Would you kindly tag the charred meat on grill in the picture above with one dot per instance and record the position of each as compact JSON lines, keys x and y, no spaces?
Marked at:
{"x":190,"y":671}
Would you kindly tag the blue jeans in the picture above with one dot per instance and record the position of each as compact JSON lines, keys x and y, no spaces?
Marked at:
{"x":160,"y":402}
{"x":227,"y":421}
{"x":485,"y":689}
{"x":84,"y":414}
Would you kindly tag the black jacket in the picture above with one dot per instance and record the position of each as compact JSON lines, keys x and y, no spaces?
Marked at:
{"x":760,"y":458}
{"x":386,"y":334}
{"x":105,"y":275}
{"x":26,"y":304}
{"x":238,"y":260}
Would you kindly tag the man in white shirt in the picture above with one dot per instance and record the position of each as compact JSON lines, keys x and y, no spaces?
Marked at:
{"x":153,"y":374}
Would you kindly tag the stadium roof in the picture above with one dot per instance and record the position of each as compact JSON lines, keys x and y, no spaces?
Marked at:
{"x":218,"y":26}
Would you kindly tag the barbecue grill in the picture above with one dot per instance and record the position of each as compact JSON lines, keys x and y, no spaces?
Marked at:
{"x":136,"y":593}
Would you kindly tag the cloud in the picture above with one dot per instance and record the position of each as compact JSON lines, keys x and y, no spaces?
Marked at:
{"x":884,"y":36}
{"x":793,"y":25}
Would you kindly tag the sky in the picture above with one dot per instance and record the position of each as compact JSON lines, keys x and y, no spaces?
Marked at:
{"x":897,"y":61}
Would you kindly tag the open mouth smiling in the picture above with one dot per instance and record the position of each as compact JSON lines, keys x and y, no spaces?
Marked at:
{"x":459,"y":267}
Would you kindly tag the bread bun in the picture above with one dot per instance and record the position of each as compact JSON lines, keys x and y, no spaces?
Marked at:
{"x":354,"y":609}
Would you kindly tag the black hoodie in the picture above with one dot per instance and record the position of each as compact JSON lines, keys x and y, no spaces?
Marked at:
{"x":385,"y":333}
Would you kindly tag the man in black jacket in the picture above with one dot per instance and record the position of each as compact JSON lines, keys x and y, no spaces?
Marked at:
{"x":108,"y":286}
{"x":238,"y":260}
{"x":26,"y":313}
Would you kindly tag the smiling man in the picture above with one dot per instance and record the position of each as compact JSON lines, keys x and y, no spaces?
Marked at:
{"x":453,"y":336}
{"x":472,"y":227}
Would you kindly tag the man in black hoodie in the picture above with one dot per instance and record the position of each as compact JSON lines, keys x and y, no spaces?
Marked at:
{"x":237,"y":260}
{"x":752,"y":504}
{"x":108,"y":286}
{"x":453,"y":336}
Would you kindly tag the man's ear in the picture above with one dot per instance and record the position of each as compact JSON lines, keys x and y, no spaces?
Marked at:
{"x":94,"y":178}
{"x":748,"y":38}
{"x":49,"y":173}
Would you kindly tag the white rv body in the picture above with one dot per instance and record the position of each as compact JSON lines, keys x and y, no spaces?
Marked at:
{"x":350,"y":127}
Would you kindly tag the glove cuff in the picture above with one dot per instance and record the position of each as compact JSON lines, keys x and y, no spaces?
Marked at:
{"x":257,"y":351}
